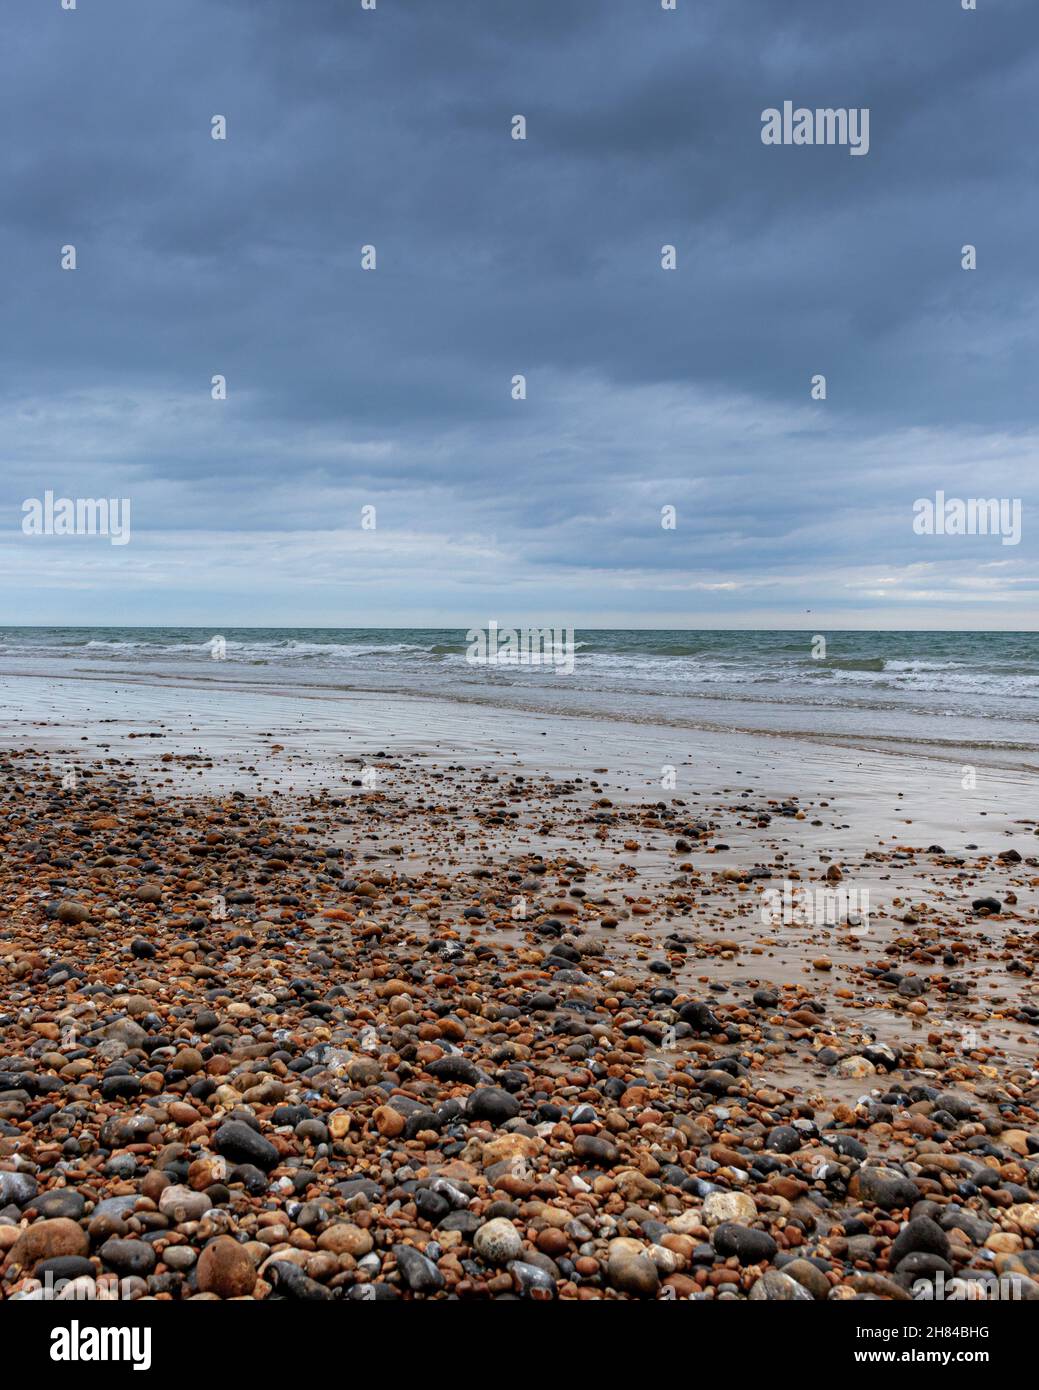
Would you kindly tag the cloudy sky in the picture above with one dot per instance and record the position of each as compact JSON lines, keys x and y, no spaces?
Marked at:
{"x":392,"y":388}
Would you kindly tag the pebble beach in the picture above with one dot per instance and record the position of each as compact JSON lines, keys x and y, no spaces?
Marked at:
{"x":289,"y":1013}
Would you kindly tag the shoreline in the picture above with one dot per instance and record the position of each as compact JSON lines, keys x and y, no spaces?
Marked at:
{"x":966,"y":698}
{"x":29,"y":687}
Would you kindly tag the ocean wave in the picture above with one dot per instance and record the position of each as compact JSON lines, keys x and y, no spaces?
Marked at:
{"x":989,"y":678}
{"x":866,"y":663}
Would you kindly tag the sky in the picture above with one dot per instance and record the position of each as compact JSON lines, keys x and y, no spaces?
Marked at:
{"x":393,"y":388}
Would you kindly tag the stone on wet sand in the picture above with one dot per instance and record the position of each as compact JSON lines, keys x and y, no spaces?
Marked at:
{"x":886,"y":1187}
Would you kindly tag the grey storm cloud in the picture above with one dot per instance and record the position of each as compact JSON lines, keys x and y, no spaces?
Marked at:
{"x":539,"y":257}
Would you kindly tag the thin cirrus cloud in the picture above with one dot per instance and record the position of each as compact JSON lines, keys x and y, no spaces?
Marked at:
{"x":392,"y":389}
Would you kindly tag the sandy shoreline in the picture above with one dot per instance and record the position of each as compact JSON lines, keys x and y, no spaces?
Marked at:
{"x":100,"y":708}
{"x":63,"y":686}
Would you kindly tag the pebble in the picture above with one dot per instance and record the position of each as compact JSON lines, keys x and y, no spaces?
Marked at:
{"x":750,"y":1246}
{"x":242,"y":1144}
{"x":728,"y":1206}
{"x":498,"y":1242}
{"x":226,"y":1269}
{"x":776,"y":1286}
{"x":418,"y":1273}
{"x":47,"y":1240}
{"x":630,"y":1269}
